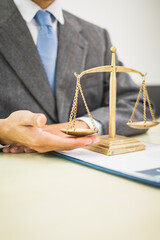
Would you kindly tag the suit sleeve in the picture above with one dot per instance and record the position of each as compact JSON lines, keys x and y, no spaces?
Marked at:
{"x":127,"y":92}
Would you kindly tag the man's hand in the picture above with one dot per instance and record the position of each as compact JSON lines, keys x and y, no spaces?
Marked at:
{"x":29,"y":130}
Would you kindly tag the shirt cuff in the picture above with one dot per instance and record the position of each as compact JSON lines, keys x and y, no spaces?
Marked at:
{"x":3,"y":146}
{"x":88,"y":121}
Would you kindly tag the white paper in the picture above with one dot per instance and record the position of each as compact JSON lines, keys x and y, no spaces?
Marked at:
{"x":142,"y":164}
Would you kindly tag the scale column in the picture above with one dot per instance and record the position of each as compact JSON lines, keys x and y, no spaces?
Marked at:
{"x":112,"y":96}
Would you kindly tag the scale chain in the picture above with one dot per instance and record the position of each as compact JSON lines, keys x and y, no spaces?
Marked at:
{"x":136,"y":104}
{"x":149,"y":103}
{"x":73,"y":114}
{"x":86,"y":106}
{"x":144,"y":100}
{"x":145,"y":97}
{"x":76,"y":103}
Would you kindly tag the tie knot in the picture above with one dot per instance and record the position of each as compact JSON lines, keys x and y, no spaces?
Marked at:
{"x":44,"y":18}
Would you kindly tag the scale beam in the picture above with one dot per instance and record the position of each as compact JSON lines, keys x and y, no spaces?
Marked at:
{"x":124,"y":69}
{"x":109,"y":68}
{"x":94,"y":70}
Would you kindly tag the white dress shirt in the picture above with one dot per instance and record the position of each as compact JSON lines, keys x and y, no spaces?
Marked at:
{"x":28,"y":10}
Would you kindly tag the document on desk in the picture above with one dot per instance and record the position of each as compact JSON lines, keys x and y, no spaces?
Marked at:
{"x":142,"y":166}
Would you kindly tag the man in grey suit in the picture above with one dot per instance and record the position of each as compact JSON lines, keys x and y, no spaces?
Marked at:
{"x":81,"y":45}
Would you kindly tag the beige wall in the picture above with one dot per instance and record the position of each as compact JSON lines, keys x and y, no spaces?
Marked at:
{"x":134,"y":27}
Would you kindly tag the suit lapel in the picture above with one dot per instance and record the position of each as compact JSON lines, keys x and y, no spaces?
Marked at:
{"x":18,"y":48}
{"x":72,"y":54}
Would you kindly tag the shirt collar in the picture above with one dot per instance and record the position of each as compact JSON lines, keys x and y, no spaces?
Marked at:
{"x":28,"y":10}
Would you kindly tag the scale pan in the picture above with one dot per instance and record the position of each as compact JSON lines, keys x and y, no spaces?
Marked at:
{"x":79,"y":132}
{"x":142,"y":125}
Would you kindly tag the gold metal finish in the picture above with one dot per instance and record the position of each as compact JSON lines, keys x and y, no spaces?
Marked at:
{"x":111,"y":144}
{"x":112,"y":96}
{"x":71,"y":129}
{"x":80,"y":132}
{"x":116,"y":145}
{"x":143,"y":124}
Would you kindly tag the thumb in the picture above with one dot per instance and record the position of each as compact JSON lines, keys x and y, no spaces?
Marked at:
{"x":39,"y":120}
{"x":30,"y":119}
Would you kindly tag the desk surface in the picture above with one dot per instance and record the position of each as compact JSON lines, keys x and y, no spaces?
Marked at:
{"x":44,"y":197}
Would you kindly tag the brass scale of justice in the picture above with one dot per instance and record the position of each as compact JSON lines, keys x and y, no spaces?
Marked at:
{"x":111,"y":144}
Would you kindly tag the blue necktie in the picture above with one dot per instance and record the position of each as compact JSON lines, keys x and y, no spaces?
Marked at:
{"x":47,"y":44}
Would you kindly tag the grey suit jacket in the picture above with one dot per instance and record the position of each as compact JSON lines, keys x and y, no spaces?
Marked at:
{"x":82,"y":45}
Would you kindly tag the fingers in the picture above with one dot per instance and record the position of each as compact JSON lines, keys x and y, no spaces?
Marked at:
{"x":6,"y":150}
{"x":17,"y":148}
{"x":28,"y":150}
{"x":14,"y":148}
{"x":72,"y":143}
{"x":29,"y":119}
{"x":57,"y":143}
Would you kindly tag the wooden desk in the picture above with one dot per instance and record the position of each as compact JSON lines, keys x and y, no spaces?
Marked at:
{"x":44,"y":197}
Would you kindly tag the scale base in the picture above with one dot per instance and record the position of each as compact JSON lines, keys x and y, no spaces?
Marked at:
{"x":117,"y":145}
